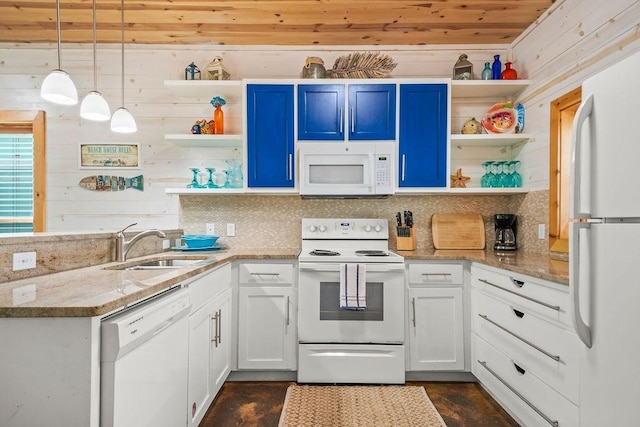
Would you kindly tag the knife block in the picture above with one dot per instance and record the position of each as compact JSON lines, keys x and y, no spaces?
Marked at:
{"x":407,"y":243}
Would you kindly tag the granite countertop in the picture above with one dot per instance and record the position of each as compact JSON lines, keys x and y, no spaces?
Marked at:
{"x":99,"y":290}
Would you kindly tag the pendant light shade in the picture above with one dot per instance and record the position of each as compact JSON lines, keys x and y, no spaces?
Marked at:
{"x":94,"y":106}
{"x":58,"y":87}
{"x":122,"y":121}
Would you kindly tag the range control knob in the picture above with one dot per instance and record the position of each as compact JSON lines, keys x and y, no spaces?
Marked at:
{"x":367,"y":228}
{"x":378,"y":228}
{"x":312,"y":228}
{"x":323,"y":228}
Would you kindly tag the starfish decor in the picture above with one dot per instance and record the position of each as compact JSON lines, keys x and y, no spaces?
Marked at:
{"x":458,"y":180}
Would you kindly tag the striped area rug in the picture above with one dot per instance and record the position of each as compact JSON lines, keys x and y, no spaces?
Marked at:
{"x":356,"y":406}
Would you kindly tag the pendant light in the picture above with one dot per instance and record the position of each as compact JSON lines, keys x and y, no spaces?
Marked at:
{"x":94,"y":106}
{"x":122,"y":120}
{"x":58,"y":87}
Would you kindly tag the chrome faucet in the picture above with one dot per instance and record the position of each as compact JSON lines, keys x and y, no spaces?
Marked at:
{"x":123,"y":246}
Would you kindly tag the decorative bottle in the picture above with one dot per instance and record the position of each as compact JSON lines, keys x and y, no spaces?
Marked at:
{"x":218,"y":120}
{"x":496,"y":68}
{"x":486,"y":73}
{"x":509,"y":73}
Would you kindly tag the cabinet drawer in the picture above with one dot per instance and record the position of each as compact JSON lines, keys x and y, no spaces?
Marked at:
{"x":542,"y":348}
{"x":525,"y":396}
{"x":436,"y":274}
{"x":266,"y":273}
{"x":549,"y":300}
{"x":206,"y":286}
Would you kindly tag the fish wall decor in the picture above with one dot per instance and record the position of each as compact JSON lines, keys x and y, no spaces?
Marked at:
{"x":112,"y":183}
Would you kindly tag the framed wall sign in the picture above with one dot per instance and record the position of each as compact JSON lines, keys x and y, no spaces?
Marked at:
{"x":109,"y":155}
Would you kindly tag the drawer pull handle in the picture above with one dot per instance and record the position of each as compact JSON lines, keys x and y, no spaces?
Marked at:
{"x":266,"y":274}
{"x":529,"y":343}
{"x":553,"y":307}
{"x":531,"y":405}
{"x":518,"y":283}
{"x":519,"y":369}
{"x":413,"y":304}
{"x":518,"y":313}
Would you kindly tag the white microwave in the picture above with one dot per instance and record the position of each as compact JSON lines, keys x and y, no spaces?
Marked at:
{"x":352,"y":169}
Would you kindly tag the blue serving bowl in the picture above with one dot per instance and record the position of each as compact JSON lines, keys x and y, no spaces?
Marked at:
{"x":199,"y":240}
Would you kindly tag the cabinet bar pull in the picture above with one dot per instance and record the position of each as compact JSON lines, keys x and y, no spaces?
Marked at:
{"x":546,"y":353}
{"x":216,"y":319}
{"x":531,"y":405}
{"x":413,"y":303}
{"x":353,"y":126}
{"x":290,"y":167}
{"x":518,"y":283}
{"x":553,"y":307}
{"x":403,"y":166}
{"x":288,"y":318}
{"x":219,"y":326}
{"x":341,"y":120}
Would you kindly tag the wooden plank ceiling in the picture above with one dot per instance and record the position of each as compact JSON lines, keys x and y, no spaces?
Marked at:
{"x":274,"y":22}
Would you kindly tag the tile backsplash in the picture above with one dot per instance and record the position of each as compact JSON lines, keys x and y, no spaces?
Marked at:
{"x":274,"y":221}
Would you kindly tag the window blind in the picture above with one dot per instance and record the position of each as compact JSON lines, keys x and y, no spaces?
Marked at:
{"x":16,"y":183}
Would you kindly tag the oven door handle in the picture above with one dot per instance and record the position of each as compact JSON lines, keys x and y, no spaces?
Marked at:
{"x":373,"y":268}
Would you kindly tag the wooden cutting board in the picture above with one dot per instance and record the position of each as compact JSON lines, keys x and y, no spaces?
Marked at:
{"x":458,"y":231}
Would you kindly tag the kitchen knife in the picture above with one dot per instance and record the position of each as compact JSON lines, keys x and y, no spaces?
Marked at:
{"x":399,"y":219}
{"x":409,"y":220}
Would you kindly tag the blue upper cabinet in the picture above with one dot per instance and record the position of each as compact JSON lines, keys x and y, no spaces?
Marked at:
{"x":423,"y":135}
{"x":270,"y":138}
{"x":323,"y":115}
{"x":321,"y":112}
{"x":372,"y":112}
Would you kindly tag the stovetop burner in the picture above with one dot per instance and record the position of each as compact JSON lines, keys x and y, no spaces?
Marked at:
{"x":323,"y":252}
{"x":372,"y":253}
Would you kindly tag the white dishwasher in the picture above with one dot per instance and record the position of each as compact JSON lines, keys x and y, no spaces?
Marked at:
{"x":144,"y":357}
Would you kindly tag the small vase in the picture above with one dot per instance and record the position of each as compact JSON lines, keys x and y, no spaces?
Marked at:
{"x":486,"y":73}
{"x":218,"y":120}
{"x":496,"y":68}
{"x":509,"y":73}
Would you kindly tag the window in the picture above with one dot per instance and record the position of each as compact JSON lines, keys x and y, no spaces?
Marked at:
{"x":16,"y":183}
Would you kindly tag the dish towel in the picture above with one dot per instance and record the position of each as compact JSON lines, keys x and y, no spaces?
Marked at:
{"x":353,"y":286}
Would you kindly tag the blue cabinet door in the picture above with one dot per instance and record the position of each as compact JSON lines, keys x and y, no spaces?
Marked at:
{"x":372,"y":112}
{"x":423,"y":135}
{"x":320,"y":112}
{"x":270,"y":155}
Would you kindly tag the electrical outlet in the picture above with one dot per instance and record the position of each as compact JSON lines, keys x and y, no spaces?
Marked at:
{"x":24,"y":260}
{"x":542,"y":233}
{"x":231,"y":230}
{"x":166,"y":243}
{"x":211,"y":228}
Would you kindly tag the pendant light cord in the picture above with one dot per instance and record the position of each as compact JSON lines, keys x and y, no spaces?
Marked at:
{"x":58,"y":31}
{"x":122,"y":31}
{"x":95,"y":56}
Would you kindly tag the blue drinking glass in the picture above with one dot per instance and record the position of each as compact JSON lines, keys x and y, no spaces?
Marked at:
{"x":517,"y":178}
{"x":194,"y":181}
{"x":485,"y":180}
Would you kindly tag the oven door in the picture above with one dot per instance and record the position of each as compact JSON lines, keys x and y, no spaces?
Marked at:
{"x":321,"y":320}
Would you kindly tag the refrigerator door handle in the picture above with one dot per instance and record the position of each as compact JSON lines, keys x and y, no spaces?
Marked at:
{"x":584,"y":111}
{"x":583,"y":331}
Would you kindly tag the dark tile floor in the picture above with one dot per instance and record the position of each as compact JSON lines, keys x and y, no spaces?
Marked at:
{"x":258,"y":404}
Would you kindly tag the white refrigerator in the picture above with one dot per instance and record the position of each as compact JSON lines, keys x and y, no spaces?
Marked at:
{"x":604,"y":246}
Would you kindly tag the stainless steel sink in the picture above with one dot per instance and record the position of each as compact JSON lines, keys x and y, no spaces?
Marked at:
{"x":159,"y":264}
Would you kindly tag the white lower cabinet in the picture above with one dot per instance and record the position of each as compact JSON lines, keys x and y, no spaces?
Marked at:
{"x":436,"y":317}
{"x":210,"y":340}
{"x":523,"y":351}
{"x":267,"y":331}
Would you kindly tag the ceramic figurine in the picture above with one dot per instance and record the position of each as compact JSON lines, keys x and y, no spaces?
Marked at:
{"x":471,"y":127}
{"x":458,"y":180}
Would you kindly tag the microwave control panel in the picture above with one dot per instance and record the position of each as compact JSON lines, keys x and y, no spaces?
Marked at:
{"x":383,"y":171}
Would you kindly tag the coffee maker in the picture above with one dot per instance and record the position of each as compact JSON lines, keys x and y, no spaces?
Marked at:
{"x":506,"y":228}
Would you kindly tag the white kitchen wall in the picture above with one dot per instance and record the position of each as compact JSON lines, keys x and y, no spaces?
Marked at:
{"x":573,"y":40}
